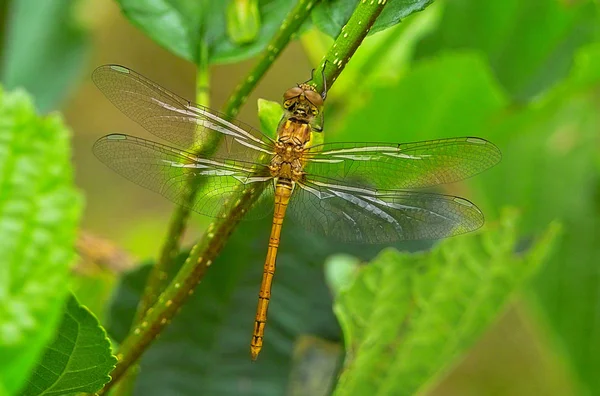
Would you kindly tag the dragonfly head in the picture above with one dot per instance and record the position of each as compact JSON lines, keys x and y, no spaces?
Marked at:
{"x":303,"y":102}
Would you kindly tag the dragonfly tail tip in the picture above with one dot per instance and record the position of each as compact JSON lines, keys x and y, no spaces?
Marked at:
{"x":254,"y":351}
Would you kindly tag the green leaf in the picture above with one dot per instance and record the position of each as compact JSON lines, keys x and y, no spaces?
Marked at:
{"x":39,"y":211}
{"x":207,"y":344}
{"x":331,"y":16}
{"x":41,"y":55}
{"x":432,"y":105}
{"x":181,"y":25}
{"x":78,"y":360}
{"x":269,"y":114}
{"x":408,"y":317}
{"x":530,"y":44}
{"x":550,"y":170}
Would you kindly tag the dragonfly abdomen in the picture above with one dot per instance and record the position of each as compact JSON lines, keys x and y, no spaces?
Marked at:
{"x":283,"y":191}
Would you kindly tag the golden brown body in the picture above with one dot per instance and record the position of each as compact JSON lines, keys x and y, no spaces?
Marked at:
{"x":302,"y":104}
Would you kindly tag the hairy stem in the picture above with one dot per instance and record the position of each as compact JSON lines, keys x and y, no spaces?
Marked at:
{"x":293,"y":21}
{"x":347,"y":42}
{"x":183,"y":285}
{"x":203,"y":252}
{"x":157,"y":279}
{"x":206,"y":250}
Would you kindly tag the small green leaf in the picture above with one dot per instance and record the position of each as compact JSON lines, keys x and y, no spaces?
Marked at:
{"x":41,"y":55}
{"x":269,"y":114}
{"x":331,"y":16}
{"x":39,"y":212}
{"x":181,"y":25}
{"x":78,"y":360}
{"x":407,"y":317}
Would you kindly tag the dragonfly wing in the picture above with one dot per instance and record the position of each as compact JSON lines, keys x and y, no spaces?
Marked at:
{"x":399,"y":166}
{"x":370,"y":216}
{"x":170,"y":172}
{"x":175,"y":119}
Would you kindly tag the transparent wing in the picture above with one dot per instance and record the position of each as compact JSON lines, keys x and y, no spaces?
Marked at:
{"x":370,"y":216}
{"x":399,"y":166}
{"x":170,"y":171}
{"x":175,"y":119}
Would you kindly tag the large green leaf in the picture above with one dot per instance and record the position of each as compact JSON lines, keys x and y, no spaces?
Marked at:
{"x":41,"y":55}
{"x":453,"y":95}
{"x":181,"y":26}
{"x":530,"y":44}
{"x":550,"y":170}
{"x":331,"y":15}
{"x":78,"y":360}
{"x":205,"y":350}
{"x":39,"y":210}
{"x":407,"y":317}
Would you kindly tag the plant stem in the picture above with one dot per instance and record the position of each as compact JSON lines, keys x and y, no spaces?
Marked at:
{"x":347,"y":42}
{"x":159,"y":274}
{"x":206,"y":250}
{"x":157,"y":279}
{"x":183,"y":285}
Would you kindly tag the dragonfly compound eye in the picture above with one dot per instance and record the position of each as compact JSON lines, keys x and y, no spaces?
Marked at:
{"x":292,"y":93}
{"x":314,"y":97}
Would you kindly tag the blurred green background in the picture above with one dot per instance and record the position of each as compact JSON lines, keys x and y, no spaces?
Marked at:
{"x":525,"y":75}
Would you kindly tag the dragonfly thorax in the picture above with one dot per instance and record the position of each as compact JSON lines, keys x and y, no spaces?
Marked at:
{"x":292,"y":137}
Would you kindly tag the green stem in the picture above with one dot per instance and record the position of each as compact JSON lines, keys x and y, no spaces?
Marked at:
{"x":206,"y":250}
{"x":195,"y":265}
{"x":347,"y":42}
{"x":183,"y":285}
{"x":157,"y":279}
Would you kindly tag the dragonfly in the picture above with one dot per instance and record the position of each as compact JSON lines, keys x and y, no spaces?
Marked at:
{"x":353,"y":192}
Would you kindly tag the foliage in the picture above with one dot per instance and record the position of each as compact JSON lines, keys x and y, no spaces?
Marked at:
{"x":181,"y":26}
{"x":217,"y":321}
{"x":529,"y":44}
{"x":525,"y":75}
{"x":36,"y":46}
{"x":549,"y":169}
{"x":407,"y":317}
{"x":79,"y":358}
{"x":39,"y":211}
{"x":331,"y":16}
{"x":552,"y":146}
